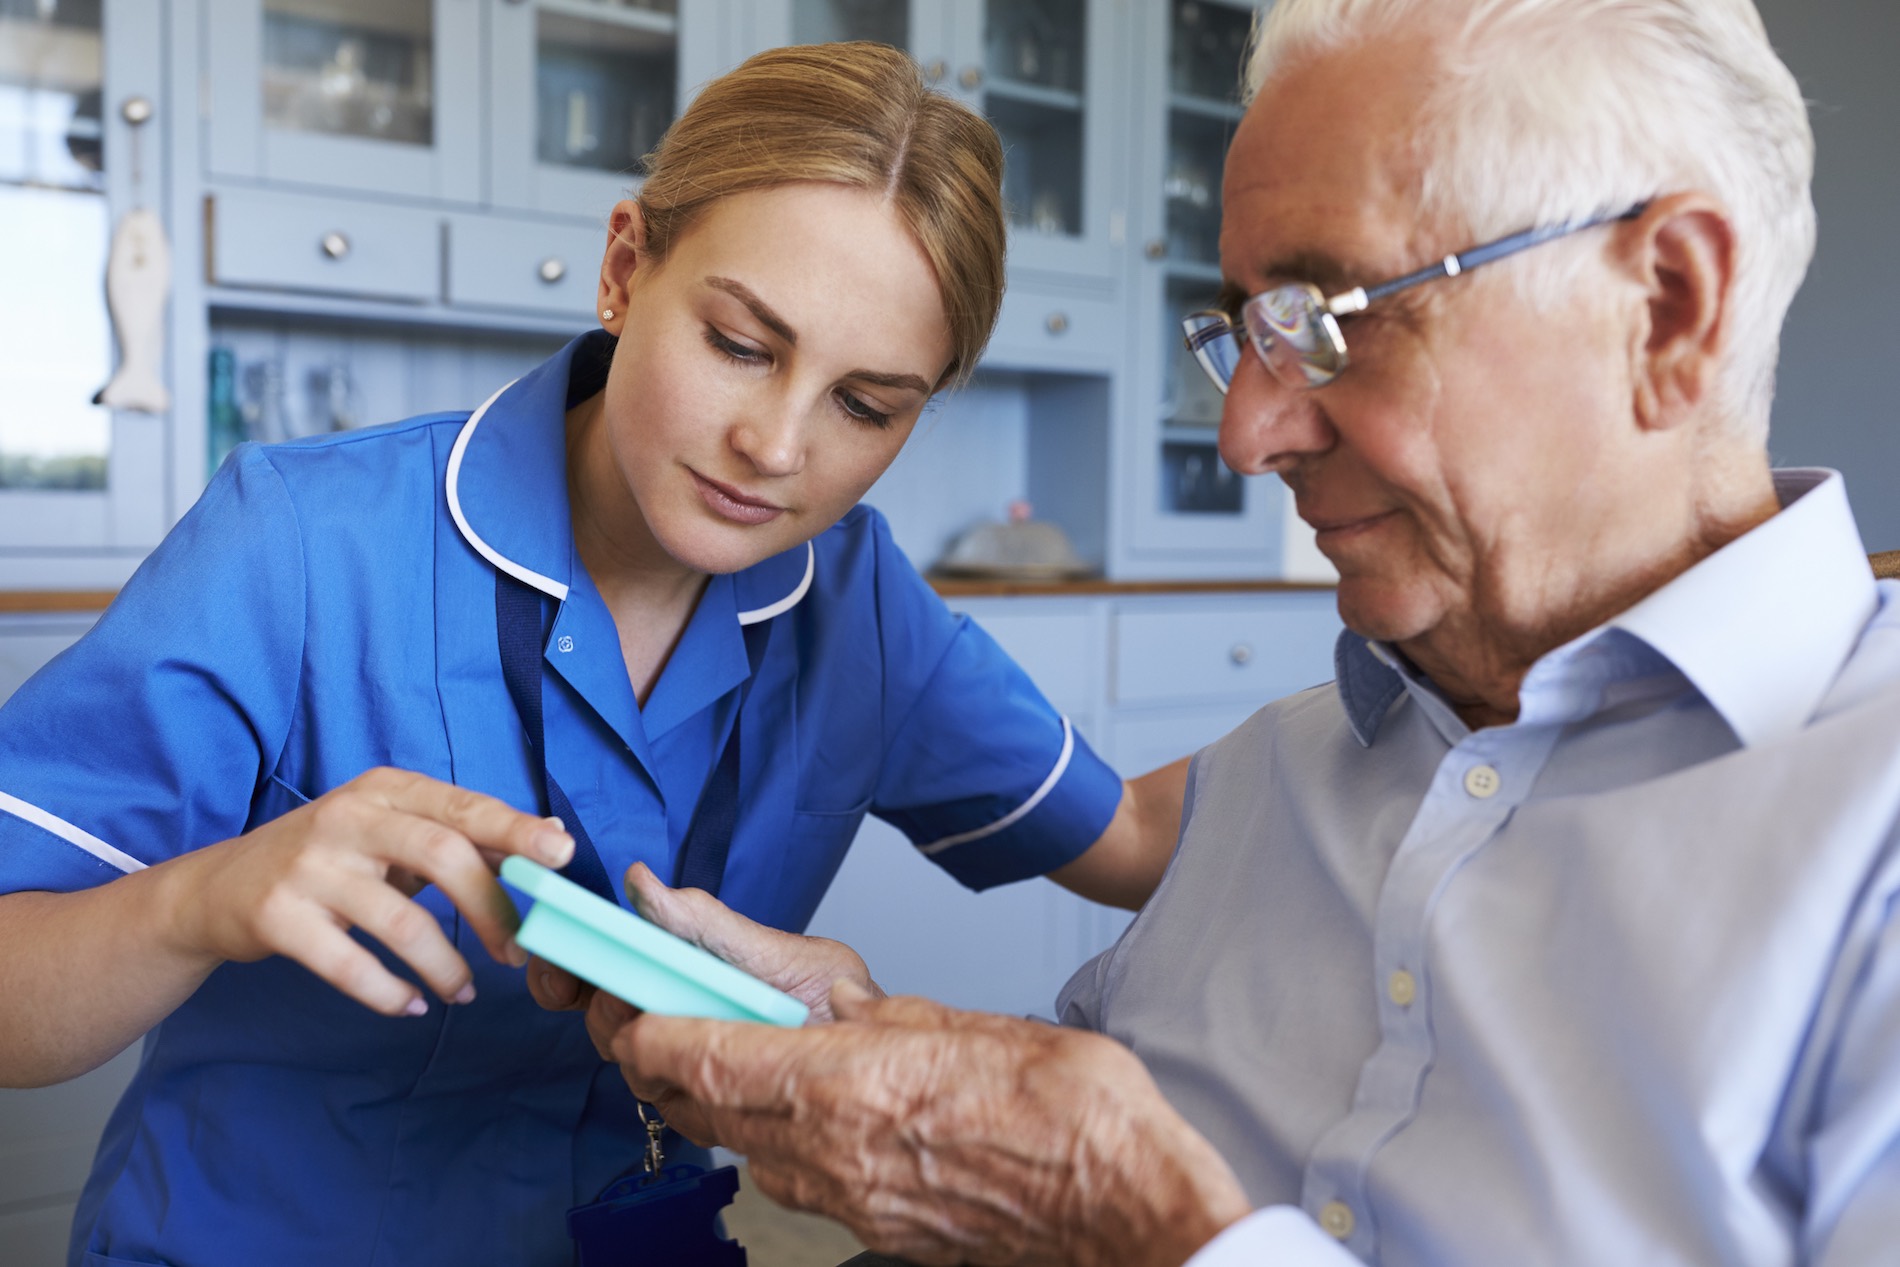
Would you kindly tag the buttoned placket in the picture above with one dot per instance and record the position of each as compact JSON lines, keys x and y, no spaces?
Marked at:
{"x":1482,"y":778}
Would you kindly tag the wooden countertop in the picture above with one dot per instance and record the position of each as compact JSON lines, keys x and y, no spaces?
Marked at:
{"x":16,"y":601}
{"x":12,"y":601}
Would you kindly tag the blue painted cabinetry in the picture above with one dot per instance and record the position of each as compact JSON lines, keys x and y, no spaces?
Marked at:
{"x":341,"y":178}
{"x":1146,"y":680}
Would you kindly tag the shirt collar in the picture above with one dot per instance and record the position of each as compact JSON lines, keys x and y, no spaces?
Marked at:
{"x":507,"y":485}
{"x":1761,"y":627}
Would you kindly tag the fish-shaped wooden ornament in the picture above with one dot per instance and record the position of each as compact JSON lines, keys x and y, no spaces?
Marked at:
{"x":138,"y":280}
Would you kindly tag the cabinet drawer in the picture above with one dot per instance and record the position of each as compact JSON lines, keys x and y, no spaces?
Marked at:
{"x":1254,"y":654}
{"x":1150,"y":741}
{"x":1040,"y":327}
{"x":524,"y":264}
{"x":323,"y":244}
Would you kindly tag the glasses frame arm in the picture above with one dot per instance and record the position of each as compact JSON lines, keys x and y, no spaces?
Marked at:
{"x":1360,"y":297}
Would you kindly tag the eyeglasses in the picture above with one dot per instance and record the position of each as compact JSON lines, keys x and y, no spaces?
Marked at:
{"x":1294,"y":328}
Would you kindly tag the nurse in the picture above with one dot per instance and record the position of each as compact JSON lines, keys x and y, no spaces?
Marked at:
{"x":256,"y":811}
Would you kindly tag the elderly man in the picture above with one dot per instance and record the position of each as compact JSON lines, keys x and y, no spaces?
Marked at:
{"x":1562,"y":927}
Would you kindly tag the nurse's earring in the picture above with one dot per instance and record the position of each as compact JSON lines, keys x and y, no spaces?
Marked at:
{"x":606,"y":314}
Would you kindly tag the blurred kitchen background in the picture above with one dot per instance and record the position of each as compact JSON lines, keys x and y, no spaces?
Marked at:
{"x":374,"y":208}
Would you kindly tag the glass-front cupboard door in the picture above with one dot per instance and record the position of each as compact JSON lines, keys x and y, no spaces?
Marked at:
{"x":1186,"y":499}
{"x":582,"y":90}
{"x":1047,"y":73}
{"x":381,"y":96}
{"x":74,"y":475}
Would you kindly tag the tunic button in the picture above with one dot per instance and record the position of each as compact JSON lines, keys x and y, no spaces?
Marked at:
{"x":1336,"y":1218}
{"x":1401,"y":988}
{"x":1482,"y":782}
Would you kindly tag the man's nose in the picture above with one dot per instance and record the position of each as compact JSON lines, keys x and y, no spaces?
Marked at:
{"x":1266,"y":425}
{"x":772,"y":438}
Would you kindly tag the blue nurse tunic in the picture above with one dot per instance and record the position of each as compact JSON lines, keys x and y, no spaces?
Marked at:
{"x":329,"y":606}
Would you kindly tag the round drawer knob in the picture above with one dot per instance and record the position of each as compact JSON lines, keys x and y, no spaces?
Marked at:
{"x":1157,"y":249}
{"x":136,"y":111}
{"x":335,"y":245}
{"x":934,"y":70}
{"x":1056,"y":323}
{"x":971,"y":78}
{"x":552,"y":270}
{"x":1240,"y":653}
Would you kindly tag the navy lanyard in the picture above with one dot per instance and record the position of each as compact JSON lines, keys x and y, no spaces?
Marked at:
{"x":521,"y":629}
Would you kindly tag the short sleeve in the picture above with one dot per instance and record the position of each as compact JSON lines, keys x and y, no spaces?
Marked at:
{"x":151,"y":735}
{"x":980,"y":771}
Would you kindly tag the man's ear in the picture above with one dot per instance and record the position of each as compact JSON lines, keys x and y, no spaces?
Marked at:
{"x":626,"y":255}
{"x":1681,"y":252}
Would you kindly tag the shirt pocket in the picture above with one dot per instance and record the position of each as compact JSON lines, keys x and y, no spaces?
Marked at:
{"x":274,"y":800}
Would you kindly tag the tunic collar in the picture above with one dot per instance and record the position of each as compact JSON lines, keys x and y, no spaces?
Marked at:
{"x":1760,"y":628}
{"x":507,"y":486}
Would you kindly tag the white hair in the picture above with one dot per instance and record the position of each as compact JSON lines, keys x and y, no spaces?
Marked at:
{"x":1552,"y":110}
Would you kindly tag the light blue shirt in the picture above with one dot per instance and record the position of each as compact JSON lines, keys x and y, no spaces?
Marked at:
{"x":1618,"y":983}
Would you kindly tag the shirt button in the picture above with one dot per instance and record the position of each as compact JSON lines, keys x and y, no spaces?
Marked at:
{"x":1336,"y":1218}
{"x":1401,"y":988}
{"x":1482,"y":782}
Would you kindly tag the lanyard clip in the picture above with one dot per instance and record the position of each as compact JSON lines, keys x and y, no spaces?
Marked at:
{"x":655,"y":1160}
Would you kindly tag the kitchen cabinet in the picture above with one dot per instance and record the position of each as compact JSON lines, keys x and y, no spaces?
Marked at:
{"x":538,"y":105}
{"x":579,"y":91}
{"x":1107,"y":663}
{"x":1047,"y":74}
{"x":345,"y":178}
{"x":78,"y":481}
{"x":381,"y":96}
{"x":1183,"y":505}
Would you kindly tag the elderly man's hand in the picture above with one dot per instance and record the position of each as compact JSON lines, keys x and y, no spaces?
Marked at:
{"x":804,"y":967}
{"x":945,"y":1136}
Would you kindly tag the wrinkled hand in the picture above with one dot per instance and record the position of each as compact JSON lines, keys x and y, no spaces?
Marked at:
{"x":944,"y":1136}
{"x":804,"y":967}
{"x":354,"y":858}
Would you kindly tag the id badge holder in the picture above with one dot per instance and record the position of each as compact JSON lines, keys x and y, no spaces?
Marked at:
{"x":662,"y":1216}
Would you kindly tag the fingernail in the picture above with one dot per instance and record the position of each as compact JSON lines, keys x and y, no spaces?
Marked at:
{"x":416,"y":1006}
{"x":464,"y":995}
{"x":516,"y":955}
{"x":553,"y":845}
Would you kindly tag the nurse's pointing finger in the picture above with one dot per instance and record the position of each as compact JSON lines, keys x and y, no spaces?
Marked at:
{"x":488,"y":822}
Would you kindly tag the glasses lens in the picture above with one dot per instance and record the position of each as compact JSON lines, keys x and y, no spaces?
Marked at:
{"x":1295,"y":335}
{"x":1215,"y":344}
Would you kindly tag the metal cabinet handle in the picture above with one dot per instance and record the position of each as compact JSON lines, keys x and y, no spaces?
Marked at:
{"x":1157,"y":248}
{"x":552,"y":270}
{"x":1241,"y":654}
{"x":1056,"y":323}
{"x":335,"y":245}
{"x":971,"y":78}
{"x":934,"y":71}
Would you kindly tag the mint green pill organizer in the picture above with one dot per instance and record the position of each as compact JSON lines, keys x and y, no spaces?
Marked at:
{"x":635,"y":960}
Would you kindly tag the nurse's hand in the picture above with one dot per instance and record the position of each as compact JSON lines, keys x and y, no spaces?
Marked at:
{"x":944,"y":1136}
{"x":354,"y":858}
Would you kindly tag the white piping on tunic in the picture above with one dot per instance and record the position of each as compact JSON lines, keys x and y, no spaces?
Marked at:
{"x":1021,"y":811}
{"x":791,"y":600}
{"x":547,"y":585}
{"x":70,"y":834}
